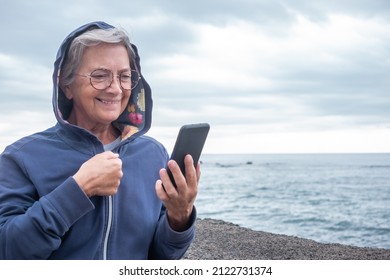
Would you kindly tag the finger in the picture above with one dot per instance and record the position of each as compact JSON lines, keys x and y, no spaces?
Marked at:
{"x":114,"y":159}
{"x":198,"y":172}
{"x":160,"y":191}
{"x":110,"y":155}
{"x":167,"y":184}
{"x":191,"y":177}
{"x":117,"y":161}
{"x":178,"y":176}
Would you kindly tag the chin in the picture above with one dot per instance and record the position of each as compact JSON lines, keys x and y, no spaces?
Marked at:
{"x":110,"y":118}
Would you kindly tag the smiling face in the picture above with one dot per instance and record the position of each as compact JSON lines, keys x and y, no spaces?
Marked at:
{"x":94,"y":108}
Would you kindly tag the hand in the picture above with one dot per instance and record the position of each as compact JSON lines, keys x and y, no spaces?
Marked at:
{"x":179,"y":201}
{"x":100,"y":175}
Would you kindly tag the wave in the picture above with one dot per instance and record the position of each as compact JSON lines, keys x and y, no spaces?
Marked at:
{"x":377,"y":166}
{"x":224,"y":165}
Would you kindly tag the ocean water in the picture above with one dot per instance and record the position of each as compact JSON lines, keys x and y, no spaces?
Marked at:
{"x":329,"y":198}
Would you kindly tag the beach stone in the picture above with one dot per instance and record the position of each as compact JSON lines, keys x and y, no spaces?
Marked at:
{"x":220,"y":240}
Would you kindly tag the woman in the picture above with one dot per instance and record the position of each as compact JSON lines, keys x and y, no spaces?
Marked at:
{"x":91,"y":187}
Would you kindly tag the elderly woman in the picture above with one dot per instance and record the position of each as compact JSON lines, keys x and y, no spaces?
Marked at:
{"x":94,"y":186}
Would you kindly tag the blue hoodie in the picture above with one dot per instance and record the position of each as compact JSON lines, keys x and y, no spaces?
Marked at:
{"x":44,"y":214}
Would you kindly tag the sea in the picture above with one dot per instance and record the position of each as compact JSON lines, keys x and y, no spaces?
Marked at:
{"x":329,"y":198}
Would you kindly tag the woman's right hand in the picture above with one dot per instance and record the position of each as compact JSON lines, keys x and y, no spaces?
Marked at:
{"x":100,"y":175}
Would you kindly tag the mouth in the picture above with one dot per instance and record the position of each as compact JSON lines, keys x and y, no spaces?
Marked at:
{"x":108,"y":101}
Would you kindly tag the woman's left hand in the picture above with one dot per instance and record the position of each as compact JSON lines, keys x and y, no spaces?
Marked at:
{"x":179,"y":201}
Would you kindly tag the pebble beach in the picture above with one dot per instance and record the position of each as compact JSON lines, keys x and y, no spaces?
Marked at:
{"x":220,"y":240}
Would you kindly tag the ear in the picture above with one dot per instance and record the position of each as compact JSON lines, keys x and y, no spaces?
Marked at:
{"x":66,"y":90}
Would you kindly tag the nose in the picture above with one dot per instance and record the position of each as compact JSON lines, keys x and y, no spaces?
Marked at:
{"x":115,"y":86}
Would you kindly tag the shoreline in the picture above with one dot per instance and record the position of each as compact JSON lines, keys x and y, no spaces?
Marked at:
{"x":220,"y":240}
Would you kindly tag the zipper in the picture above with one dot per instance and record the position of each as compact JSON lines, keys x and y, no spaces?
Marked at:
{"x":110,"y":213}
{"x":109,"y":224}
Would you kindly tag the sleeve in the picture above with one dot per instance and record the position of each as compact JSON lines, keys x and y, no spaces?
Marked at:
{"x":31,"y":227}
{"x":169,"y":244}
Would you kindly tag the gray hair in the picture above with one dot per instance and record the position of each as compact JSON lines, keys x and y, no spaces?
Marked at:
{"x":88,"y":39}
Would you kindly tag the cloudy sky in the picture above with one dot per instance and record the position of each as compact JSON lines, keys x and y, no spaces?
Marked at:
{"x":282,"y":76}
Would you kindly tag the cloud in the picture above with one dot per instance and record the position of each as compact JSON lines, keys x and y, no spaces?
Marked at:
{"x":316,"y":66}
{"x":251,"y":68}
{"x":24,"y":85}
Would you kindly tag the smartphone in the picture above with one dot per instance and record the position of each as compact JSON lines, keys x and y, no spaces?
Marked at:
{"x":190,"y":140}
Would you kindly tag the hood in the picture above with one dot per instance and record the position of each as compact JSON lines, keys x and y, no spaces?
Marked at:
{"x":136,"y":118}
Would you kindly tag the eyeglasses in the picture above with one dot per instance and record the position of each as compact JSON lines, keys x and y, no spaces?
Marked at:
{"x":102,"y":79}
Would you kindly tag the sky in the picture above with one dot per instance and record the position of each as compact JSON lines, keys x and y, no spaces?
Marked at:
{"x":269,"y":76}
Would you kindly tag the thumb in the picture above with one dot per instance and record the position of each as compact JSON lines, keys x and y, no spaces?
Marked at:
{"x":110,"y":155}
